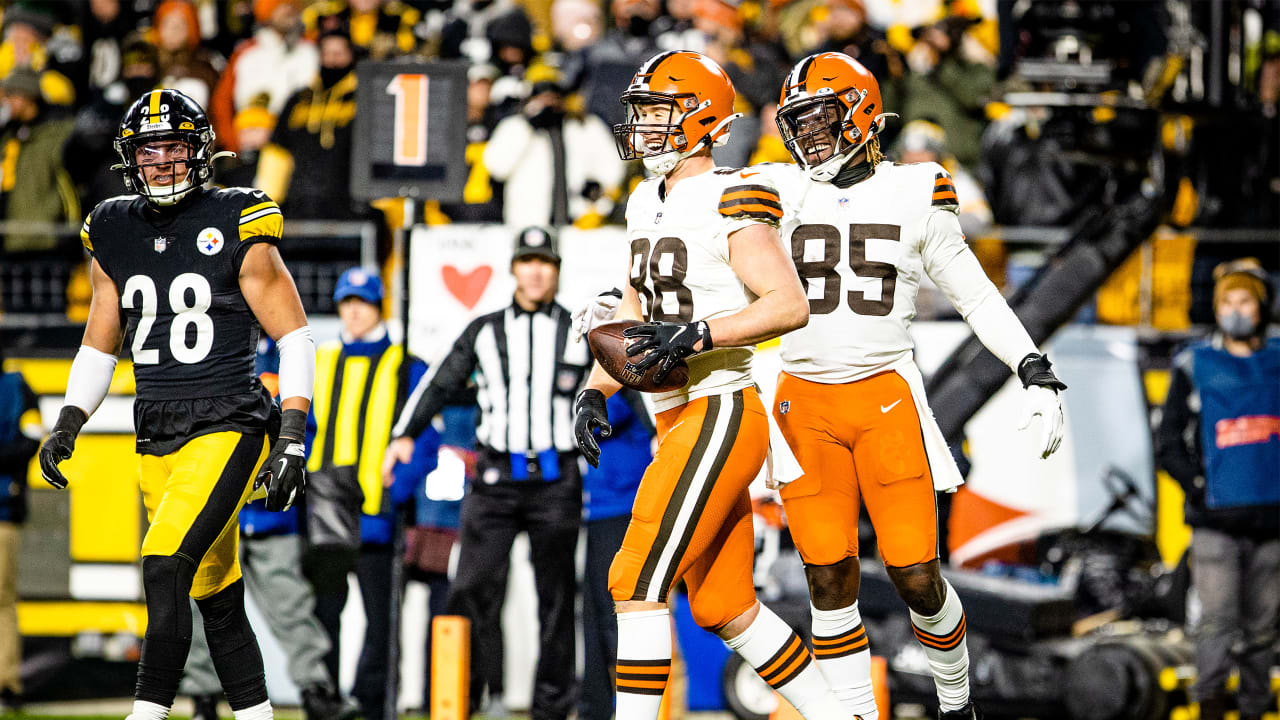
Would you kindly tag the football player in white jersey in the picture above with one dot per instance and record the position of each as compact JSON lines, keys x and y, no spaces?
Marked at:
{"x":850,"y":401}
{"x":710,"y":278}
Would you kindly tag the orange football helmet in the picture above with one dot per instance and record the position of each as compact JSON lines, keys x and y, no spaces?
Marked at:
{"x":677,"y":103}
{"x":830,"y":108}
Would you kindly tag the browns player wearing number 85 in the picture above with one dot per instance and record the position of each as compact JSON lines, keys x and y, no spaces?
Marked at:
{"x":850,"y":400}
{"x":194,"y":272}
{"x":711,"y":279}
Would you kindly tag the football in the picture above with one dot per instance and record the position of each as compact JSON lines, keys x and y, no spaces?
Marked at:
{"x":610,"y":350}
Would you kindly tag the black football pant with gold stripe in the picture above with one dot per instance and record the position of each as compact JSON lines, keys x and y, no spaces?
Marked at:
{"x":193,"y":497}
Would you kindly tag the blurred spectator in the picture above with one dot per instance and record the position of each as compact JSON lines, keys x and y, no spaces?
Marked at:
{"x":90,"y":152}
{"x":1219,"y":437}
{"x":558,"y":168}
{"x":253,"y":126}
{"x":923,"y":141}
{"x":950,"y":81}
{"x":380,"y":29}
{"x":184,"y":64}
{"x":812,"y":26}
{"x":275,"y":63}
{"x":26,"y":36}
{"x":33,"y":183}
{"x":608,"y":492}
{"x":605,"y":70}
{"x":482,"y":195}
{"x":104,"y":26}
{"x":307,"y":164}
{"x":20,"y":433}
{"x":348,"y":448}
{"x":464,"y":34}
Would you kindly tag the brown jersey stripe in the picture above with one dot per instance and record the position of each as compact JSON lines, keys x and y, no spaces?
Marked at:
{"x":754,"y":210}
{"x":771,"y":197}
{"x":754,"y":199}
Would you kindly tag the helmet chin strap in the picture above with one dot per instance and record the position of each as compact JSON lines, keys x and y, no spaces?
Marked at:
{"x":667,"y":161}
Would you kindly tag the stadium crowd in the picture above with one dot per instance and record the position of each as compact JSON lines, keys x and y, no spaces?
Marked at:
{"x":276,"y":77}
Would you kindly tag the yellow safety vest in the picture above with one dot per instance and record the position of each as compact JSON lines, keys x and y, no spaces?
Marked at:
{"x":355,"y":407}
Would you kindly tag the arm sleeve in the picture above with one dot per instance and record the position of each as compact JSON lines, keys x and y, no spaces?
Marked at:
{"x":1172,"y":449}
{"x":431,"y":392}
{"x":952,"y":265}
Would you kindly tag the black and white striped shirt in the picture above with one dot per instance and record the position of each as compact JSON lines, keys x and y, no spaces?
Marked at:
{"x":527,"y":371}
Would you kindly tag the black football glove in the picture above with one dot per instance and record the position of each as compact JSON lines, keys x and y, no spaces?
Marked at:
{"x":589,"y":413}
{"x":60,"y":445}
{"x":285,"y":471}
{"x":666,"y":343}
{"x":1036,"y":369}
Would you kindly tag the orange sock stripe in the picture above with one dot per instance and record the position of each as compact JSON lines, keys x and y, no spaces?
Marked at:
{"x":950,"y":641}
{"x":842,"y":638}
{"x":782,"y":657}
{"x":640,"y":670}
{"x":827,"y":653}
{"x":787,"y":675}
{"x":633,"y":683}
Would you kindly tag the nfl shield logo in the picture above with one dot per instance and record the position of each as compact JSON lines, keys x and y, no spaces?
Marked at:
{"x":784,"y":407}
{"x":844,"y":203}
{"x":162,"y":244}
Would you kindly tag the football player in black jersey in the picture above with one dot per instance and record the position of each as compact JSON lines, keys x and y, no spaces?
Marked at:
{"x":186,"y":274}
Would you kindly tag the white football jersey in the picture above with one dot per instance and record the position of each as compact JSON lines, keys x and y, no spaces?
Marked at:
{"x":860,"y":252}
{"x":680,"y":264}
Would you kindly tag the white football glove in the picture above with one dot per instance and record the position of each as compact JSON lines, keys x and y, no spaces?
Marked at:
{"x":600,"y":310}
{"x":1046,"y":403}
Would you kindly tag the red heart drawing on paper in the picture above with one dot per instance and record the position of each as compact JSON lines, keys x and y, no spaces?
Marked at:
{"x":468,"y":286}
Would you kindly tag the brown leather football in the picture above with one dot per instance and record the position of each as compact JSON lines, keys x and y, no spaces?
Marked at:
{"x":610,"y":350}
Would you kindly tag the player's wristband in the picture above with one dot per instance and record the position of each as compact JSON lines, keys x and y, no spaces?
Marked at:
{"x":293,"y":425}
{"x":1037,"y":370}
{"x":704,"y":332}
{"x":70,"y":419}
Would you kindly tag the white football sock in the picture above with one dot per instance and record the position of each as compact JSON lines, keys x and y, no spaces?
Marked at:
{"x":644,"y":663}
{"x":943,"y":639}
{"x":843,"y":653}
{"x":783,"y":661}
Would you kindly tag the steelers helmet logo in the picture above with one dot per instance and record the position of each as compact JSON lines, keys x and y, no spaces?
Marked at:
{"x":210,"y":241}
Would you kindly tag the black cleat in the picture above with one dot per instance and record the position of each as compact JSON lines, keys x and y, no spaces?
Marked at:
{"x":321,"y":702}
{"x":968,"y":712}
{"x":205,"y":707}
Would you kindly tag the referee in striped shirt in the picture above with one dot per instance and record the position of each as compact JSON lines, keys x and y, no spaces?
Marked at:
{"x":526,"y":369}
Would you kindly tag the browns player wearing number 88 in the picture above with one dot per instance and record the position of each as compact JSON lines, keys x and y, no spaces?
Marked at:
{"x":850,"y":401}
{"x":711,"y":279}
{"x":194,"y":271}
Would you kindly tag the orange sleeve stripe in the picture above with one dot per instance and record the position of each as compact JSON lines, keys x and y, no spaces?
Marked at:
{"x":942,"y":180}
{"x":751,"y":209}
{"x":749,"y":194}
{"x":948,"y":195}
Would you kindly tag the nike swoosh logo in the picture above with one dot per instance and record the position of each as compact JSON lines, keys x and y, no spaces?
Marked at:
{"x":747,"y":175}
{"x":678,"y":332}
{"x":887,"y":408}
{"x":283,"y":462}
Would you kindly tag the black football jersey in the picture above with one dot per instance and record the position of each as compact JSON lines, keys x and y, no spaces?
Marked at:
{"x":189,"y":330}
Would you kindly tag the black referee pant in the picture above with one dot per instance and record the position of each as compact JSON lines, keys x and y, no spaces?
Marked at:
{"x":492,"y":515}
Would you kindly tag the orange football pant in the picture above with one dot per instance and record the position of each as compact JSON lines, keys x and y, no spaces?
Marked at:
{"x":858,"y":443}
{"x":692,"y":514}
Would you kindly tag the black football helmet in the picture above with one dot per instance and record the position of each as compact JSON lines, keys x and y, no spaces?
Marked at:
{"x":165,"y":115}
